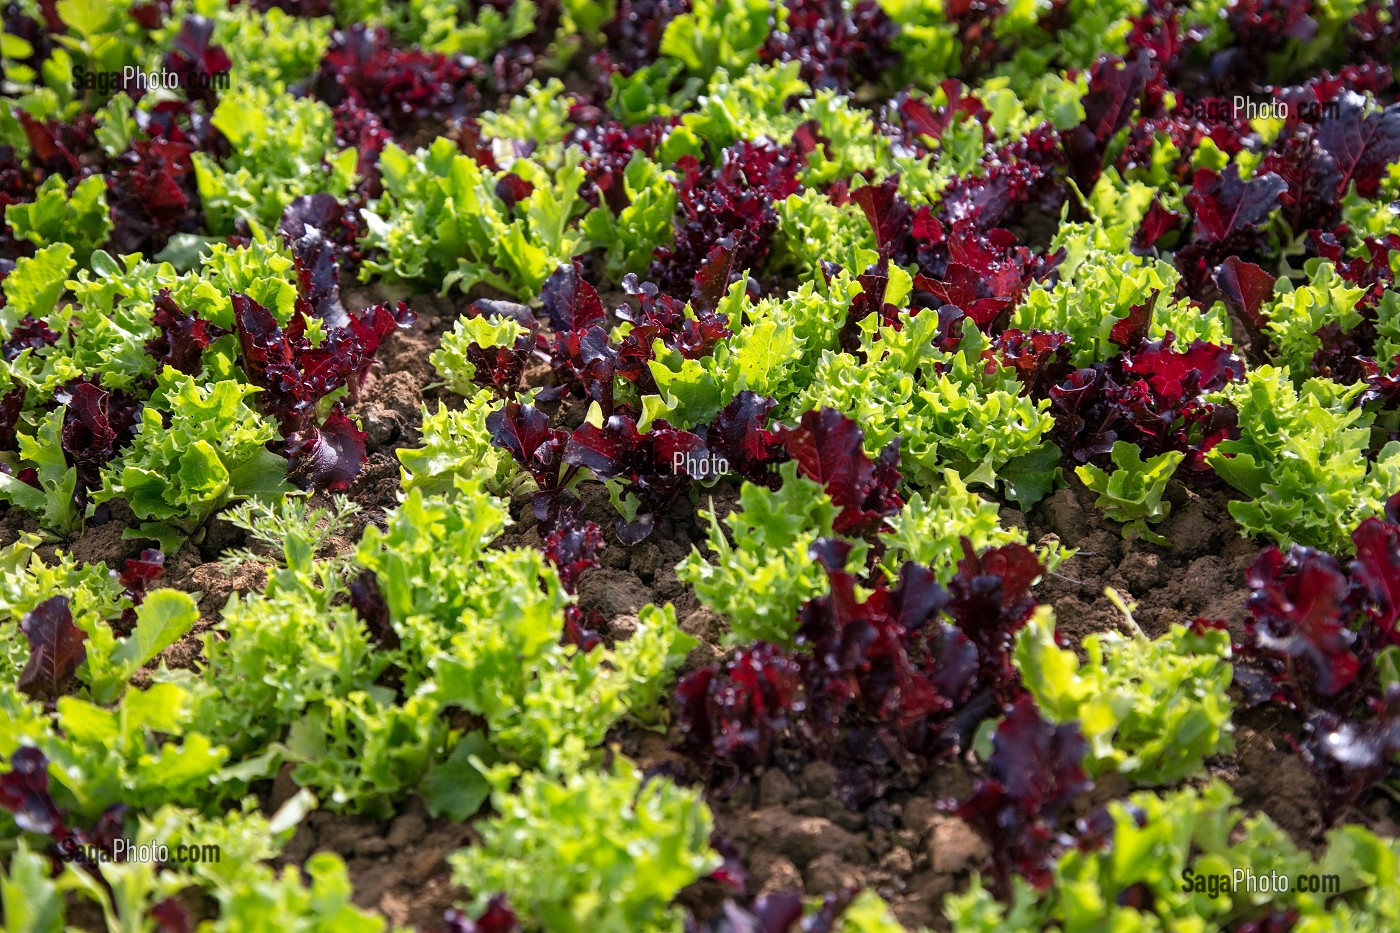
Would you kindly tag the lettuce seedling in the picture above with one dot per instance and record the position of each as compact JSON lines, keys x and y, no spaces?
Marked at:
{"x":1150,"y":710}
{"x":212,"y":452}
{"x":81,"y":219}
{"x":596,"y":850}
{"x":442,"y":221}
{"x":1302,"y":459}
{"x":758,"y":582}
{"x":1132,"y":493}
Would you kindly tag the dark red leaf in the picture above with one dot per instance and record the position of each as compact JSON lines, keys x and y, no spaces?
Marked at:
{"x":496,"y":918}
{"x":171,"y":916}
{"x":739,"y":717}
{"x":327,"y":457}
{"x":1034,"y":773}
{"x":366,"y":70}
{"x":318,"y":277}
{"x":886,"y":211}
{"x":611,"y":451}
{"x":991,"y":601}
{"x":367,"y":599}
{"x":1115,"y":91}
{"x":294,"y":376}
{"x":1246,"y":288}
{"x":739,"y":435}
{"x":1039,"y":357}
{"x":1225,"y":204}
{"x":840,"y":45}
{"x":137,"y":576}
{"x":29,"y":333}
{"x":269,"y":361}
{"x":88,"y":438}
{"x":828,"y":449}
{"x":1363,"y":145}
{"x":1156,"y":223}
{"x":11,"y":407}
{"x":713,"y":278}
{"x":1352,"y":755}
{"x":1376,"y":570}
{"x":524,"y":431}
{"x":55,"y":648}
{"x":24,"y":791}
{"x":152,"y":194}
{"x":1130,"y":331}
{"x":569,"y":301}
{"x":182,"y":337}
{"x":573,"y":546}
{"x":512,"y":189}
{"x":195,"y":61}
{"x":1299,"y":607}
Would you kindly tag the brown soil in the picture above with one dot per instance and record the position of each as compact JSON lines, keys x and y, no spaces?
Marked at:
{"x":398,"y":868}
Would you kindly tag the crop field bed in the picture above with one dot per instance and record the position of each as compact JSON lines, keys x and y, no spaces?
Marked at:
{"x":699,"y":465}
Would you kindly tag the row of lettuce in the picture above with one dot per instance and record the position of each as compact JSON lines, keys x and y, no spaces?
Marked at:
{"x":1060,"y":353}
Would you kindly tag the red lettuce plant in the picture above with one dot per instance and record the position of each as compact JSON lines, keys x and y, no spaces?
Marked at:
{"x":1323,"y":638}
{"x":893,"y":681}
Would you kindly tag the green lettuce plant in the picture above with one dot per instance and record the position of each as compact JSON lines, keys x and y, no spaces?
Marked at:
{"x":95,"y":599}
{"x":212,"y":453}
{"x":281,"y":146}
{"x":759,"y":581}
{"x":441,"y":221}
{"x":1150,"y":710}
{"x":79,"y":219}
{"x":538,"y":117}
{"x":35,"y":284}
{"x":1132,"y":493}
{"x":720,"y":34}
{"x":596,"y":850}
{"x":444,"y":25}
{"x":456,"y":448}
{"x":243,"y":891}
{"x":1302,"y":460}
{"x":1100,"y":281}
{"x":450,"y":360}
{"x":480,"y":628}
{"x":930,"y":526}
{"x":632,"y":235}
{"x":271,"y":48}
{"x":948,"y":409}
{"x":102,"y":334}
{"x":105,"y":743}
{"x":26,"y":580}
{"x":54,"y":502}
{"x":812,"y":230}
{"x":1296,"y":314}
{"x":778,"y":346}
